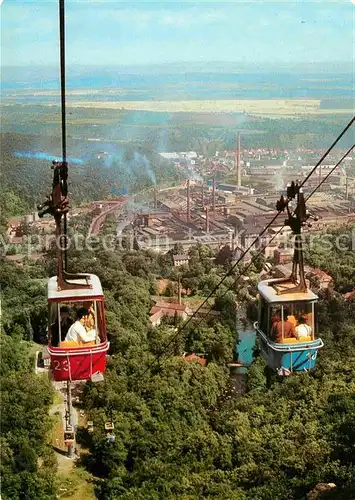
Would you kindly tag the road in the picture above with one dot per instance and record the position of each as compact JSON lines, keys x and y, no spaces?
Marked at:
{"x":100,"y":219}
{"x":97,"y":222}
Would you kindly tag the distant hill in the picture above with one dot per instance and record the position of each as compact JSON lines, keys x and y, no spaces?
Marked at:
{"x":321,"y":68}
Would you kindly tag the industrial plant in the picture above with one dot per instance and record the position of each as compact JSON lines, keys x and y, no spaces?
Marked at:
{"x":209,"y":208}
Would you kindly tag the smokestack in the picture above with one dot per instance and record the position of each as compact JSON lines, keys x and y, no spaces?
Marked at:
{"x":188,"y":201}
{"x":202,"y":195}
{"x":213,"y":195}
{"x":155,"y":199}
{"x":237,"y":161}
{"x":346,"y":188}
{"x":207,"y":221}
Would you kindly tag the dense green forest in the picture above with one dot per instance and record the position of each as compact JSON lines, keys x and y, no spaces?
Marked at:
{"x":162,"y":131}
{"x":180,"y":431}
{"x":27,"y":462}
{"x":131,"y":168}
{"x":333,"y":252}
{"x":120,"y":155}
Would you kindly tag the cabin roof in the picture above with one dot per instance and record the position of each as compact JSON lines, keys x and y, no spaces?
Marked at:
{"x":95,"y":291}
{"x":270,"y":294}
{"x":180,"y":257}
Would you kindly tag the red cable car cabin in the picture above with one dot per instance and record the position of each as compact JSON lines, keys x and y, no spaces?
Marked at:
{"x":75,"y":359}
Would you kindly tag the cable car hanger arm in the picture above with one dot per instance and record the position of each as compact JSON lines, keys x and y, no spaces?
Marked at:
{"x":57,"y":203}
{"x":252,"y":244}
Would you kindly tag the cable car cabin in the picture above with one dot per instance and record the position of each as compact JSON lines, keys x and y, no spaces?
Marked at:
{"x":286,"y":328}
{"x":69,"y":437}
{"x":110,"y":438}
{"x":77,"y":342}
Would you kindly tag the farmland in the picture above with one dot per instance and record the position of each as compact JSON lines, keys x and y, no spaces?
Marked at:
{"x":267,"y":108}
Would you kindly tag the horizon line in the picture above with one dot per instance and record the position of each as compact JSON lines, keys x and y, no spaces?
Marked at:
{"x":170,"y":63}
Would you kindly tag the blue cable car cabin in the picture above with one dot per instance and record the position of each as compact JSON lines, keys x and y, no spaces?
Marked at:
{"x":286,"y":325}
{"x":286,"y":349}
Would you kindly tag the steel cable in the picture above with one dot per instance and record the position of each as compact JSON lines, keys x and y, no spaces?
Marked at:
{"x":177,"y":334}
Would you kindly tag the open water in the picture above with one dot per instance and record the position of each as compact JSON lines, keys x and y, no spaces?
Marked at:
{"x":245,"y":346}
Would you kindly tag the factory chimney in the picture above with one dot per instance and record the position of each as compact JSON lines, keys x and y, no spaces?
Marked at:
{"x":207,"y":220}
{"x":346,"y":188}
{"x":188,"y":200}
{"x":155,"y":199}
{"x":237,"y":161}
{"x":179,"y":290}
{"x":213,"y":195}
{"x":202,"y":195}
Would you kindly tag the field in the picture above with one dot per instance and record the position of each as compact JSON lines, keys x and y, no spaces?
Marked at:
{"x":118,"y":127}
{"x":274,"y":94}
{"x":264,"y":108}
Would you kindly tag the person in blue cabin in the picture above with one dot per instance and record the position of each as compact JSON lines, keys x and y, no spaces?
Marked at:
{"x":283,"y":328}
{"x":303,"y":330}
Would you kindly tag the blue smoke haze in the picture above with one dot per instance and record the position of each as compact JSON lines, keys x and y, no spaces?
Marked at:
{"x":130,"y":165}
{"x":118,"y":192}
{"x":135,"y":165}
{"x":143,"y":160}
{"x":46,"y":157}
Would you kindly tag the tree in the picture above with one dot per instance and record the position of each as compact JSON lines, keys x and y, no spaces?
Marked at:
{"x":177,"y":249}
{"x":224,"y":256}
{"x":180,"y":431}
{"x":25,"y":400}
{"x":226,"y":303}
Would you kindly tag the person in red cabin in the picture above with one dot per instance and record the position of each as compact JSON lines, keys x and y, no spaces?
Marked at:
{"x":65,"y":323}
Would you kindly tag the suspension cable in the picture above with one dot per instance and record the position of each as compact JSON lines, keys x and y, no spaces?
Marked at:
{"x":205,"y":314}
{"x":183,"y":326}
{"x":242,"y":273}
{"x":330,"y":173}
{"x":212,"y":292}
{"x":274,"y":236}
{"x":329,"y":149}
{"x":62,"y":76}
{"x":63,"y":114}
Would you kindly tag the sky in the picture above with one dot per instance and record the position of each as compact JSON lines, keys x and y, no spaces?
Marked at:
{"x":111,"y":32}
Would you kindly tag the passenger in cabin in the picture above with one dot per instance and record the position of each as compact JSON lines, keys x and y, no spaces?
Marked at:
{"x":77,"y":332}
{"x":90,"y":321}
{"x":65,"y":321}
{"x":275,"y":318}
{"x":303,"y":330}
{"x":292,"y":319}
{"x":283,"y":329}
{"x":65,"y":324}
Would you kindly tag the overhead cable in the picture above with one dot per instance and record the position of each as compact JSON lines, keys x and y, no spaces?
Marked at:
{"x":184,"y":325}
{"x":330,"y":172}
{"x":63,"y":111}
{"x":275,"y":235}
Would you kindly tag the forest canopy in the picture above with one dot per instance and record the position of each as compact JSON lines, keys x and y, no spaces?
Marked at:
{"x":180,"y":430}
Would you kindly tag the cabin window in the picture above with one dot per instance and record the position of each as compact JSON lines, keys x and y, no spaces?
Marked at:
{"x":63,"y":314}
{"x":302,"y":309}
{"x":294,"y":311}
{"x":100,"y":321}
{"x":264,"y":316}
